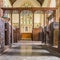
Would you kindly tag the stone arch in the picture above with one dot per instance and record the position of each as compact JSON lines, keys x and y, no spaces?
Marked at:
{"x":34,"y":3}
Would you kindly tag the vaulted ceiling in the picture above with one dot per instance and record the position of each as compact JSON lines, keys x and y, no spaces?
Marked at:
{"x":40,"y":1}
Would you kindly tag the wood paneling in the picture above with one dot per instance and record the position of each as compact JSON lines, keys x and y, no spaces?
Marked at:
{"x":35,"y":34}
{"x":56,"y":31}
{"x":16,"y":35}
{"x":26,"y":36}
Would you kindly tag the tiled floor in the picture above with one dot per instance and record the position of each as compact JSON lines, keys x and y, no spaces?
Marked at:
{"x":30,"y":52}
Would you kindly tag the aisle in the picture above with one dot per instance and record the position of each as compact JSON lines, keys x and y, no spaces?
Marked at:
{"x":24,"y":52}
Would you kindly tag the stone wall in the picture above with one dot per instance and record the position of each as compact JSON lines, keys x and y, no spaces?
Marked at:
{"x":1,"y":4}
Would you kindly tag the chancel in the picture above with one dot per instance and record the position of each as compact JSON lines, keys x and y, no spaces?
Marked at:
{"x":30,"y":28}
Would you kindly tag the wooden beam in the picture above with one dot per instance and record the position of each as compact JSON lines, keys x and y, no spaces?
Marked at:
{"x":28,"y":8}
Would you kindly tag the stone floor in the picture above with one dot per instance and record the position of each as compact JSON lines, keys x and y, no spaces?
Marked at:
{"x":28,"y":52}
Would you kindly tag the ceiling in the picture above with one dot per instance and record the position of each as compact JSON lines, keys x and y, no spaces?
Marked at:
{"x":12,"y":1}
{"x":40,"y":1}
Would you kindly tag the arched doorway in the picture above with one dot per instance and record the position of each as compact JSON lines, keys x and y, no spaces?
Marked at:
{"x":26,"y":24}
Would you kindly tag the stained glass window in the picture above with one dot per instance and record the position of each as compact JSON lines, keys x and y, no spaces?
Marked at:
{"x":26,"y":20}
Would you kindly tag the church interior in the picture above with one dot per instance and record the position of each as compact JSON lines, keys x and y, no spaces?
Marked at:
{"x":27,"y":26}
